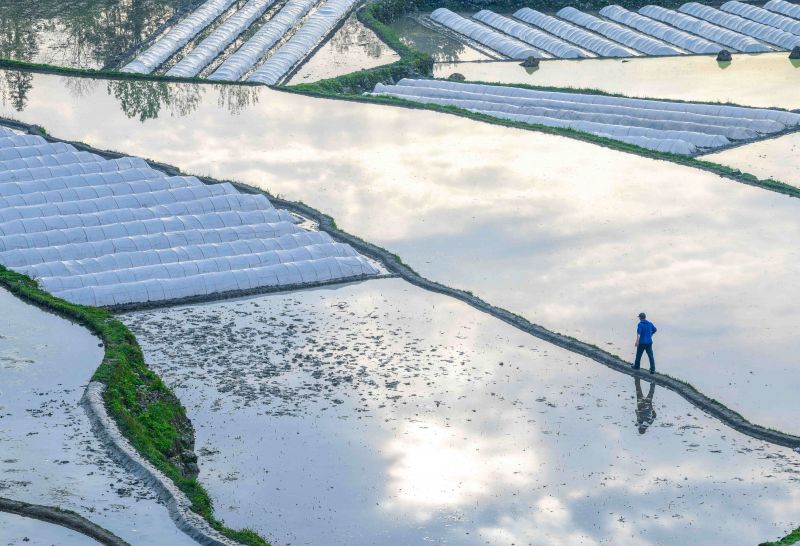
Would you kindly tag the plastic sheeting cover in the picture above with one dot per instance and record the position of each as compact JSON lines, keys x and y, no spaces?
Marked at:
{"x":682,"y":39}
{"x":554,"y":46}
{"x":316,"y":27}
{"x":244,"y":58}
{"x":762,"y":16}
{"x":634,"y":40}
{"x":177,"y":37}
{"x":789,"y":9}
{"x":762,"y":32}
{"x":571,"y":33}
{"x":728,"y":38}
{"x":496,"y":41}
{"x":222,"y":37}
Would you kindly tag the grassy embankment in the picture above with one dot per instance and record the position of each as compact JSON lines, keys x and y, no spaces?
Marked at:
{"x":379,"y":15}
{"x":147,"y":412}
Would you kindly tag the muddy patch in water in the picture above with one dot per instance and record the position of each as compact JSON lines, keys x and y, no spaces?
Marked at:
{"x":49,"y":454}
{"x":379,"y":413}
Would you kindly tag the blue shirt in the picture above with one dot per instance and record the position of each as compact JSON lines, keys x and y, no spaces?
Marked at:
{"x":646,"y":329}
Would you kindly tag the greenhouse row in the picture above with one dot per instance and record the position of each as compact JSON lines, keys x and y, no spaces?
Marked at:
{"x":762,"y":15}
{"x":180,"y":35}
{"x":247,"y":56}
{"x":684,"y":40}
{"x":634,"y":40}
{"x":302,"y":42}
{"x":496,"y":41}
{"x":106,"y":232}
{"x":552,"y":45}
{"x":682,"y":128}
{"x":618,"y":32}
{"x":764,"y":33}
{"x":210,"y":48}
{"x":256,"y":59}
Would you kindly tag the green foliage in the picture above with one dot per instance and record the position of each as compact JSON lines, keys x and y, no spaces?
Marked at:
{"x":788,"y":540}
{"x":147,"y":412}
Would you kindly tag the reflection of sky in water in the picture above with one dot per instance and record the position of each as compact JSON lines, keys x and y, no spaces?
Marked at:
{"x":442,"y":48}
{"x":49,"y":454}
{"x":19,"y":531}
{"x":776,"y":158}
{"x":573,"y":236}
{"x":755,"y":80}
{"x":353,"y":47}
{"x":378,"y":413}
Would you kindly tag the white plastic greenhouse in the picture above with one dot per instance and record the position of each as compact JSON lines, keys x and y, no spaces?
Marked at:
{"x":762,"y":15}
{"x":202,"y":55}
{"x":682,"y":39}
{"x":302,"y":42}
{"x":634,"y":40}
{"x":759,"y":31}
{"x":687,"y":127}
{"x":789,"y":9}
{"x":249,"y":54}
{"x":106,"y":232}
{"x":487,"y":37}
{"x":571,"y":33}
{"x":546,"y":42}
{"x":728,"y":38}
{"x":177,"y":37}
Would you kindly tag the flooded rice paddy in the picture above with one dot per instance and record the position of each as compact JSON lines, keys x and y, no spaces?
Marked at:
{"x":49,"y":454}
{"x":570,"y":235}
{"x":80,"y":33}
{"x":776,"y":159}
{"x":764,"y":80}
{"x":20,"y":531}
{"x":352,"y":48}
{"x":442,"y":48}
{"x":379,"y":413}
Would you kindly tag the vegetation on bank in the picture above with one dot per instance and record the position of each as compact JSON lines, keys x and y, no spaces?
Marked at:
{"x":147,"y":411}
{"x":788,"y":540}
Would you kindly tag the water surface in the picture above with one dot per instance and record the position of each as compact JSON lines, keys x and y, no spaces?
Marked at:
{"x":776,"y":158}
{"x":49,"y":454}
{"x":352,"y":48}
{"x":442,"y":48}
{"x":19,"y":531}
{"x":378,"y":413}
{"x":766,"y":80}
{"x":573,"y":236}
{"x":80,"y":33}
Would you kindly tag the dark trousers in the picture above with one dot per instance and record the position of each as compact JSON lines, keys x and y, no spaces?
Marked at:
{"x":645,"y":347}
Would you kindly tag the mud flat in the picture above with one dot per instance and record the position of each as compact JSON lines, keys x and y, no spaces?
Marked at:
{"x":379,"y":413}
{"x":765,"y":80}
{"x":776,"y":158}
{"x":49,"y":454}
{"x":352,"y":48}
{"x":20,"y":531}
{"x":578,"y":238}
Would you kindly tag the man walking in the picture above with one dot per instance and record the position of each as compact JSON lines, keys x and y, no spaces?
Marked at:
{"x":644,"y":342}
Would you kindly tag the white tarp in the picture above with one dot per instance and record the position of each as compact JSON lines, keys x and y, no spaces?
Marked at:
{"x":682,"y":39}
{"x":202,"y":55}
{"x":536,"y":38}
{"x":761,"y":32}
{"x":180,"y":35}
{"x":571,"y":33}
{"x":634,"y":40}
{"x":315,"y":28}
{"x":254,"y":49}
{"x":728,"y":38}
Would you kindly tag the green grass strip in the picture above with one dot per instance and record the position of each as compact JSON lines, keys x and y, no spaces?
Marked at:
{"x":147,"y":411}
{"x":788,"y":540}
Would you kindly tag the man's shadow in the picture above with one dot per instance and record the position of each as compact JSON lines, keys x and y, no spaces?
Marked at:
{"x":645,"y":414}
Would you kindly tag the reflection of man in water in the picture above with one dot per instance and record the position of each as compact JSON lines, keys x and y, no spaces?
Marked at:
{"x":645,"y":414}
